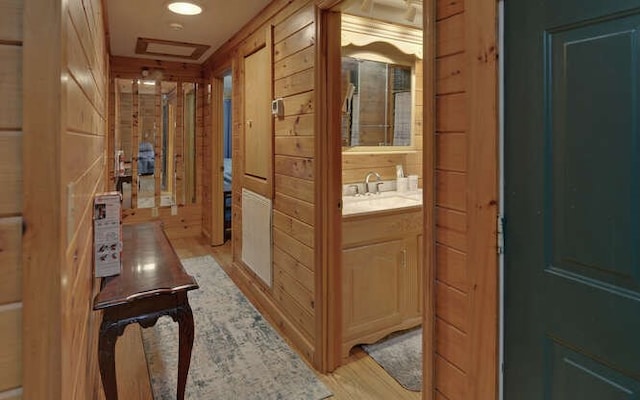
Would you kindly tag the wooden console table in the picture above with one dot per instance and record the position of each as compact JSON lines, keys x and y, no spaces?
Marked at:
{"x":152,"y":284}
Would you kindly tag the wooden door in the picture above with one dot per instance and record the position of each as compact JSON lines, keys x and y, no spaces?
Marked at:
{"x":572,"y":170}
{"x":258,"y":139}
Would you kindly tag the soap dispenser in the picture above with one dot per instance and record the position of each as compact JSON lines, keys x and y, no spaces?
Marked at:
{"x":402,"y":183}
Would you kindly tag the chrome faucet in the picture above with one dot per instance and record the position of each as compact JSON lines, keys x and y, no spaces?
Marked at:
{"x":366,"y":182}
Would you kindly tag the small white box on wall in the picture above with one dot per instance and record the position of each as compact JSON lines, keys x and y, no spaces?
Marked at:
{"x":107,"y":234}
{"x":277,"y":108}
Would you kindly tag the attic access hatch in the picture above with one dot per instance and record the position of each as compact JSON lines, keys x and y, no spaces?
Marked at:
{"x":169,"y":48}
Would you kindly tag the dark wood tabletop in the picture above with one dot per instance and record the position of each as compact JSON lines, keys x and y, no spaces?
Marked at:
{"x":149,"y":267}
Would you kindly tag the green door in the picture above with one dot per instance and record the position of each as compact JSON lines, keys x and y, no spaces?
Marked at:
{"x":572,"y":199}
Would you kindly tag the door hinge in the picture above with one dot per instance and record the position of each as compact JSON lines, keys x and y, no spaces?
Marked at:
{"x":500,"y":234}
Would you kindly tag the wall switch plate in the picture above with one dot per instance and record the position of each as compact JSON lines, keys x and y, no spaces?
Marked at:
{"x":174,"y":209}
{"x":277,"y":108}
{"x":154,"y":212}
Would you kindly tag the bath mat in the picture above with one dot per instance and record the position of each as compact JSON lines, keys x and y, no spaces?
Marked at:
{"x":401,"y":356}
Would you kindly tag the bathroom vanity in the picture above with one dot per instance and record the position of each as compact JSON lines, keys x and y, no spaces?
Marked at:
{"x":381,"y":266}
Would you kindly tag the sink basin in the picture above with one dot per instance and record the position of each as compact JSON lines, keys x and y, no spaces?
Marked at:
{"x":384,"y":201}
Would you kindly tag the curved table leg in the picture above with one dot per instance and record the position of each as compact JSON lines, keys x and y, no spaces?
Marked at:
{"x":106,"y":358}
{"x":185,"y":323}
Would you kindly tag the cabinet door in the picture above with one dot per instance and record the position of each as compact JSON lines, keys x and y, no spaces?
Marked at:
{"x":412,"y":275}
{"x":372,"y":287}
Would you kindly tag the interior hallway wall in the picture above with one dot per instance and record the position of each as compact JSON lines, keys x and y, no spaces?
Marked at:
{"x":65,"y":119}
{"x":292,"y":299}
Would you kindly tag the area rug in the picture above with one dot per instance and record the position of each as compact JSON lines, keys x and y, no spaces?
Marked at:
{"x":236,"y":354}
{"x":401,"y":356}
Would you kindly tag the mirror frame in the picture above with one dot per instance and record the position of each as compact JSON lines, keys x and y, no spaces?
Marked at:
{"x":357,"y":34}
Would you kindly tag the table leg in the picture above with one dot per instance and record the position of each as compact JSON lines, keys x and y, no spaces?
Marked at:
{"x":106,"y":359}
{"x":185,"y":323}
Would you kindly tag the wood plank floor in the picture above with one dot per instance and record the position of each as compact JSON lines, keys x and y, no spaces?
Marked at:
{"x":360,"y":379}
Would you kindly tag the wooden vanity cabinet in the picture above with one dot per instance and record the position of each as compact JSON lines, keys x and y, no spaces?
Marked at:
{"x":381,"y":274}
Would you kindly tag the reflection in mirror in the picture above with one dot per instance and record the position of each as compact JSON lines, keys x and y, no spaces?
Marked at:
{"x":381,"y":76}
{"x":148,"y":143}
{"x":189,"y":90}
{"x":169,"y":105}
{"x":377,"y":105}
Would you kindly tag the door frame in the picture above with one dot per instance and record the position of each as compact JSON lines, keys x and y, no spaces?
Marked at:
{"x":216,"y":109}
{"x":330,"y":175}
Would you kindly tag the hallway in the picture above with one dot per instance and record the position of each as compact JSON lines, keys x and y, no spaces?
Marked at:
{"x":361,"y":378}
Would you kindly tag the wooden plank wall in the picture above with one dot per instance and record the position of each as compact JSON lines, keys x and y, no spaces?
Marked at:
{"x":64,"y":166}
{"x":355,"y":166}
{"x":83,"y":164}
{"x":466,"y":198}
{"x":452,"y":284}
{"x":291,"y":302}
{"x":188,"y":221}
{"x":11,"y":199}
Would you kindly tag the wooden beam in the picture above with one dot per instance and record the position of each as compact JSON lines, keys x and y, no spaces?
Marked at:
{"x":42,"y":254}
{"x":482,"y":198}
{"x":328,"y":156}
{"x":429,"y":201}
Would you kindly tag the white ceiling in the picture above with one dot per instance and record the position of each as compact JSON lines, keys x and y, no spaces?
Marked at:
{"x":220,"y":19}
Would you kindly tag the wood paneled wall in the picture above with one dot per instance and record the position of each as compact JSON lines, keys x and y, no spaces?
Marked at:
{"x":11,"y":199}
{"x":466,"y":307}
{"x":188,"y":221}
{"x":65,"y":117}
{"x":292,"y":300}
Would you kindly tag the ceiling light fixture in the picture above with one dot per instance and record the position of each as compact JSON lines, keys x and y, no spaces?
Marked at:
{"x":184,"y":8}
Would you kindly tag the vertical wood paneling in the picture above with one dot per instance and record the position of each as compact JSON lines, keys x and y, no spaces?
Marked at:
{"x":42,"y":253}
{"x":11,"y":20}
{"x":10,"y":346}
{"x":10,"y":173}
{"x":10,"y":260}
{"x":10,"y":87}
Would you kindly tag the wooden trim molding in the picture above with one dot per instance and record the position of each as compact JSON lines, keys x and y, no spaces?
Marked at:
{"x":329,"y":171}
{"x":482,"y":196}
{"x":429,"y":201}
{"x":42,"y":254}
{"x":360,"y":31}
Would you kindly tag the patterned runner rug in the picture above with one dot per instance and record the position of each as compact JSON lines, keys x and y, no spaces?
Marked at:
{"x":236,"y":354}
{"x":401,"y":356}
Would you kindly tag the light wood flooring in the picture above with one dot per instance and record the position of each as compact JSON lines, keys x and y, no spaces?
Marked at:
{"x":360,"y":379}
